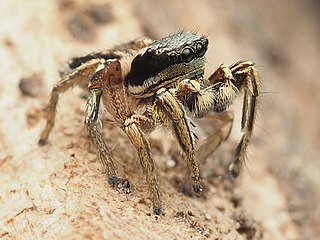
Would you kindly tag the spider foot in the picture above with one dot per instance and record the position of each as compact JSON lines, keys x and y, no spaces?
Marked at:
{"x":42,"y":142}
{"x":157,"y":211}
{"x":121,"y":184}
{"x":197,"y":188}
{"x":235,"y":168}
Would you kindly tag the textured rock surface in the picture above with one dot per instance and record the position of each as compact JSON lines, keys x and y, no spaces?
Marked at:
{"x":59,"y":190}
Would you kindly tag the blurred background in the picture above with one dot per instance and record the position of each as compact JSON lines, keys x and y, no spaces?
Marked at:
{"x":280,"y":185}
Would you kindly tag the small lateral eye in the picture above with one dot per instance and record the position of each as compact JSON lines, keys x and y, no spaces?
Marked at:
{"x":187,"y":54}
{"x":173,"y":57}
{"x":149,"y":51}
{"x":200,"y":49}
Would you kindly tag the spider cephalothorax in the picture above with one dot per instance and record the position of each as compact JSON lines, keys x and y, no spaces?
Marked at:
{"x":176,"y":57}
{"x":167,"y":76}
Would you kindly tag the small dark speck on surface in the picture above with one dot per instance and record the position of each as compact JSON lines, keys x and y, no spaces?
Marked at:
{"x":8,"y":43}
{"x":100,"y":14}
{"x":64,"y":4}
{"x":83,"y":24}
{"x":31,"y":86}
{"x":81,"y":27}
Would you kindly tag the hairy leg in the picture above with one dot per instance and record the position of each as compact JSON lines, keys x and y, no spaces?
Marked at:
{"x":114,"y":97}
{"x":170,"y":112}
{"x":92,"y":123}
{"x":218,"y":93}
{"x":79,"y":75}
{"x":82,"y":69}
{"x":215,"y":138}
{"x":117,"y":52}
{"x":246,"y":77}
{"x":142,"y":145}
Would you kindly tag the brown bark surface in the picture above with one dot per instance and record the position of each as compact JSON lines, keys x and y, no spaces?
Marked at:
{"x":59,"y":191}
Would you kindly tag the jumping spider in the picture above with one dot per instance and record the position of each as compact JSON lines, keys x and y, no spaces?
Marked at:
{"x":145,"y":83}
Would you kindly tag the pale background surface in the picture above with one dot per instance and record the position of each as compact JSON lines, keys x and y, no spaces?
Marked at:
{"x":59,"y":190}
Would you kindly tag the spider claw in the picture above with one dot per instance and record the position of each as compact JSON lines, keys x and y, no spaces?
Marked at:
{"x":113,"y":180}
{"x":122,"y":185}
{"x":234,"y":173}
{"x":198,"y":188}
{"x":157,"y":211}
{"x":42,"y":142}
{"x":235,"y":168}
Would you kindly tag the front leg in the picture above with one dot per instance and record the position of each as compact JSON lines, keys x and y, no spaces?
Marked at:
{"x":93,"y":127}
{"x":114,"y":97}
{"x":246,"y":77}
{"x":137,"y":138}
{"x":96,"y":91}
{"x":218,"y":93}
{"x":171,"y":112}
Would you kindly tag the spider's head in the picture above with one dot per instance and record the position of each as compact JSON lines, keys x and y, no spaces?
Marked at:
{"x":168,"y":60}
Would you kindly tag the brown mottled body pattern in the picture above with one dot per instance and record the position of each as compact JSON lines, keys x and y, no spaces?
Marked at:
{"x":165,"y":76}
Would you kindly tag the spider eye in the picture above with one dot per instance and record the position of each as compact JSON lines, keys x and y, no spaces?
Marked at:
{"x":149,"y":51}
{"x":187,"y":54}
{"x":173,"y":57}
{"x":200,"y":49}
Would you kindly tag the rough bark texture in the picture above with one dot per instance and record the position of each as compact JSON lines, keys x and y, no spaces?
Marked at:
{"x":59,"y":191}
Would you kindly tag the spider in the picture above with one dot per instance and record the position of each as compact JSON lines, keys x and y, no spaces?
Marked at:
{"x":146,"y":83}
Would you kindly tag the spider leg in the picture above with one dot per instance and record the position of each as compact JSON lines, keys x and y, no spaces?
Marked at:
{"x":247,"y":78}
{"x":170,"y":112}
{"x":218,"y":92}
{"x":214,"y":139}
{"x":92,"y":123}
{"x":116,"y":52}
{"x":83,"y":69}
{"x":142,"y":145}
{"x":78,"y":76}
{"x":115,"y":101}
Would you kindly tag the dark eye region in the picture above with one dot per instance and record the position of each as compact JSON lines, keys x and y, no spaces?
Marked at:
{"x":165,"y":53}
{"x":189,"y":53}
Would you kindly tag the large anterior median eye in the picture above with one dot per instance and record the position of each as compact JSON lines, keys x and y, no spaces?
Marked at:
{"x":187,"y":54}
